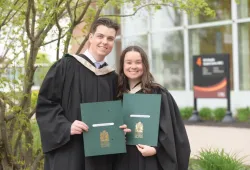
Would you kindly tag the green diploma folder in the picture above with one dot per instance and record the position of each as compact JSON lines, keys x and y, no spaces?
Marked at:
{"x":141,"y":115}
{"x":104,"y":135}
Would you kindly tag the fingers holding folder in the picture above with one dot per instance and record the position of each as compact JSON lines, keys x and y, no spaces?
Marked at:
{"x":125,"y":129}
{"x":78,"y":127}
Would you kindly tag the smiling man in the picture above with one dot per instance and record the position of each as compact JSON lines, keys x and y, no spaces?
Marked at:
{"x":72,"y":80}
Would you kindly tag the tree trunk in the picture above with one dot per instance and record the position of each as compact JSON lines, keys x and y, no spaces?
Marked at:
{"x":68,"y":38}
{"x":4,"y":149}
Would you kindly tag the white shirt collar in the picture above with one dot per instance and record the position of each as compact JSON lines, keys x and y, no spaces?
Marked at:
{"x":90,"y":56}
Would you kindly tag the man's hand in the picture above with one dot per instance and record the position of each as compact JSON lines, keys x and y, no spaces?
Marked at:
{"x":146,"y":150}
{"x":78,"y":127}
{"x":125,"y":129}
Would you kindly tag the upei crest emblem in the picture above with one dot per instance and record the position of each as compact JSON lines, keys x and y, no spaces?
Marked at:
{"x":139,"y":130}
{"x":104,"y":139}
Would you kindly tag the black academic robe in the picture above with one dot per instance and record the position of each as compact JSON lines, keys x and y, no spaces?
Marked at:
{"x":173,"y":150}
{"x":67,"y":84}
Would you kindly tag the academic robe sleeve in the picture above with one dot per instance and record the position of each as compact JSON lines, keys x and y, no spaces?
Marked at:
{"x":173,"y":149}
{"x":53,"y":125}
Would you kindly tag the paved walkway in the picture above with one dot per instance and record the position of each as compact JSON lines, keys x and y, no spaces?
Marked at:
{"x":233,"y":140}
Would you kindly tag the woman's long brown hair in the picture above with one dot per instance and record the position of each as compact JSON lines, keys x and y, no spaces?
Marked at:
{"x":146,"y":79}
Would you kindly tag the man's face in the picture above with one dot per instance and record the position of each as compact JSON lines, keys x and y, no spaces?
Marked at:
{"x":102,"y":42}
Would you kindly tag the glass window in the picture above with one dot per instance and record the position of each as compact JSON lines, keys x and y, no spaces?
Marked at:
{"x":141,"y":41}
{"x":168,"y":59}
{"x":134,"y":24}
{"x":209,"y":41}
{"x":244,"y":9}
{"x":113,"y":58}
{"x":109,"y":9}
{"x":222,"y":10}
{"x":166,"y":17}
{"x":244,"y":56}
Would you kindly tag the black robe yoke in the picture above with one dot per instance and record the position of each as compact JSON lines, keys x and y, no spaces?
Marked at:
{"x":67,"y":84}
{"x":173,"y":150}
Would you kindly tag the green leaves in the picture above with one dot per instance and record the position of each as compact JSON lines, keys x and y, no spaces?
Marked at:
{"x":186,"y":112}
{"x":243,"y":114}
{"x":211,"y":159}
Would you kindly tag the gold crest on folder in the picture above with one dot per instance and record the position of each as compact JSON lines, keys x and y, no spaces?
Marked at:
{"x":104,"y":139}
{"x":139,"y":130}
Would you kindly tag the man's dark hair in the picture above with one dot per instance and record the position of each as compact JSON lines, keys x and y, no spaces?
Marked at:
{"x":106,"y":22}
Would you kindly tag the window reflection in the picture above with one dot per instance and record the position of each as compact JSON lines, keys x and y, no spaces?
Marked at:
{"x":168,"y":59}
{"x":114,"y":56}
{"x":165,"y":18}
{"x":222,"y":10}
{"x":209,"y":41}
{"x":244,"y":56}
{"x":244,"y":9}
{"x":141,"y":41}
{"x":134,"y":24}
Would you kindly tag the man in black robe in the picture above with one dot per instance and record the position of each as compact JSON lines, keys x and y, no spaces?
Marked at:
{"x":70,"y":81}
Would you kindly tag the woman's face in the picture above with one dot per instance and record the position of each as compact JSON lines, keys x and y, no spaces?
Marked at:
{"x":133,"y":66}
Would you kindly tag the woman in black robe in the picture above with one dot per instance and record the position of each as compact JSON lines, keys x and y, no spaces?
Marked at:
{"x":173,"y":149}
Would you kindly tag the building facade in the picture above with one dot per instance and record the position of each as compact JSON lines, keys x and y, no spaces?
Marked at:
{"x":171,"y":38}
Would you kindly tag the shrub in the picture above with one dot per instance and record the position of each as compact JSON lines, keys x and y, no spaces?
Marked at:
{"x":243,"y":114}
{"x":193,"y":164}
{"x":206,"y":113}
{"x":215,"y":159}
{"x":186,"y":112}
{"x":219,"y":113}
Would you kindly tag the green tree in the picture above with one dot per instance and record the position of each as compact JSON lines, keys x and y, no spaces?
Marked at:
{"x":26,"y":26}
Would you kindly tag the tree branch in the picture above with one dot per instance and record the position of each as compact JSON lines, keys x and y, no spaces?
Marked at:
{"x":59,"y":35}
{"x":35,"y":164}
{"x":68,"y":38}
{"x":6,"y":19}
{"x":74,"y":23}
{"x":27,"y":22}
{"x":87,"y":37}
{"x":76,"y":8}
{"x":5,"y":53}
{"x":7,"y":64}
{"x":12,"y":116}
{"x":19,"y":8}
{"x":33,"y":17}
{"x":17,"y":143}
{"x":83,"y":12}
{"x":143,"y":6}
{"x":46,"y":43}
{"x":32,"y":113}
{"x":41,"y":31}
{"x":5,"y":98}
{"x":69,"y":11}
{"x":29,"y":139}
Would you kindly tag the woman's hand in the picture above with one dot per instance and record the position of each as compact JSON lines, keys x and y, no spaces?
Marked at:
{"x":146,"y":150}
{"x":125,"y":129}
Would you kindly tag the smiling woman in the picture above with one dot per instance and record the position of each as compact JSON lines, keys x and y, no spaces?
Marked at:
{"x":133,"y":67}
{"x":172,"y":150}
